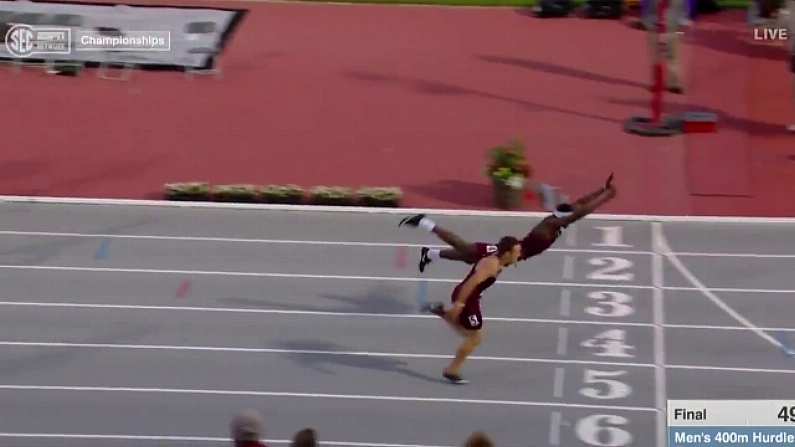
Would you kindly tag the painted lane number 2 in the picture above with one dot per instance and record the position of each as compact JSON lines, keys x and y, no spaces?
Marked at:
{"x":612,"y":269}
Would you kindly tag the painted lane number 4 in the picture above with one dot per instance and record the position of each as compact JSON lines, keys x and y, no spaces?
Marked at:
{"x":611,"y":343}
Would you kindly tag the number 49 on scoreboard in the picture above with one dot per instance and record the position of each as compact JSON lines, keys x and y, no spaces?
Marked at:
{"x":787,"y":414}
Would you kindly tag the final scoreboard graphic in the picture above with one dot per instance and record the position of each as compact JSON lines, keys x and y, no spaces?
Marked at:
{"x":728,"y":423}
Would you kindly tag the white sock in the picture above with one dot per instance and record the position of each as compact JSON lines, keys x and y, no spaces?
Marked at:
{"x":434,"y":254}
{"x":427,"y":224}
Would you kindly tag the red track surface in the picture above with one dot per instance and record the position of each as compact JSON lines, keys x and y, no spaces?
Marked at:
{"x":413,"y":96}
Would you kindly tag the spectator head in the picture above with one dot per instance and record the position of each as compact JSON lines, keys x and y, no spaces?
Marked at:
{"x":479,"y":439}
{"x":246,"y":428}
{"x":305,"y":438}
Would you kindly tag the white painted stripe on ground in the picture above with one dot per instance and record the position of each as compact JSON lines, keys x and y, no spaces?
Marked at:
{"x":730,"y":369}
{"x":302,"y":352}
{"x":658,"y":297}
{"x":565,"y":303}
{"x":730,"y":290}
{"x":382,"y":354}
{"x":304,"y":312}
{"x":87,"y":436}
{"x":356,"y":243}
{"x":568,"y":268}
{"x":368,"y":278}
{"x":736,"y":255}
{"x":274,"y":241}
{"x":286,"y":394}
{"x":300,"y":276}
{"x":555,"y":421}
{"x":365,"y":210}
{"x":60,"y":304}
{"x":563,"y":341}
{"x":727,"y":328}
{"x":571,"y":236}
{"x":666,"y":249}
{"x":314,"y":352}
{"x":557,"y":384}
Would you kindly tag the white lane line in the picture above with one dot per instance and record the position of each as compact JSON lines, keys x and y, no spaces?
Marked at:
{"x":192,"y":439}
{"x":565,"y":303}
{"x":557,"y":385}
{"x":305,"y":352}
{"x":383,"y":354}
{"x":730,"y":369}
{"x":568,"y":267}
{"x":304,"y":312}
{"x":731,"y":290}
{"x":727,"y":328}
{"x":571,"y":236}
{"x":375,"y":210}
{"x":555,"y":420}
{"x":736,"y":255}
{"x":570,"y":241}
{"x":285,"y":394}
{"x":564,"y":309}
{"x":298,"y":275}
{"x":274,"y":241}
{"x":563,"y":341}
{"x":666,"y":249}
{"x":657,"y":273}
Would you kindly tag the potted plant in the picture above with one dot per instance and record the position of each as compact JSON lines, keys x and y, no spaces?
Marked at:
{"x":508,"y":170}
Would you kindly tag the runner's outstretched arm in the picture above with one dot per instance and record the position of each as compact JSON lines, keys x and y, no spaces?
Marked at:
{"x":596,"y":200}
{"x":582,"y":201}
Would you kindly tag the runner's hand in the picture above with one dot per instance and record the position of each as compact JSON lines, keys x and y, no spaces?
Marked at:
{"x":609,"y":182}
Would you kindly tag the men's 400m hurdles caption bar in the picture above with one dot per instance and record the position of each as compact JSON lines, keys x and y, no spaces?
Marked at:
{"x":729,"y":423}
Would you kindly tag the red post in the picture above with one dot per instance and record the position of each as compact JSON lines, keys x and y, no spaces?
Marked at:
{"x":659,"y":66}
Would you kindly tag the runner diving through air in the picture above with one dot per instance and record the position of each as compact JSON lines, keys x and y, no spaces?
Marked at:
{"x":540,"y":237}
{"x":465,"y":316}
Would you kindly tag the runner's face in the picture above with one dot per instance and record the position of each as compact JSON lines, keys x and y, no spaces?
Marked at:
{"x":512,"y":256}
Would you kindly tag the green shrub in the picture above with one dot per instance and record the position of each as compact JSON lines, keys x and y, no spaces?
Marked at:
{"x":332,"y":195}
{"x":196,"y":191}
{"x":235,"y":193}
{"x":381,"y":197}
{"x":508,"y":165}
{"x":290,"y":194}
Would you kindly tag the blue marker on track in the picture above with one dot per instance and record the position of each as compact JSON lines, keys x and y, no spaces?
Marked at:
{"x":103,"y":252}
{"x":422,"y":293}
{"x":785,"y":346}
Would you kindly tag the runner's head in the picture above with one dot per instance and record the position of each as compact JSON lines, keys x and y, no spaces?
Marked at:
{"x":479,"y":439}
{"x":508,"y":250}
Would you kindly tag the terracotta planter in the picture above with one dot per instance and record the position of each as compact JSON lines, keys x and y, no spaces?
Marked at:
{"x":508,"y":198}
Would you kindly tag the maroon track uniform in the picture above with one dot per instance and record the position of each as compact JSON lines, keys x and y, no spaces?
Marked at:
{"x":541,"y":237}
{"x":471,"y":316}
{"x":483,"y":249}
